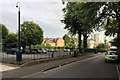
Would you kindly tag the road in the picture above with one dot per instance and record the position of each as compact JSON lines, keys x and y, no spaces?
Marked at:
{"x":89,"y":68}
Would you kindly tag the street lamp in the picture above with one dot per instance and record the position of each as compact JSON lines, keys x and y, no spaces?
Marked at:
{"x":18,"y":54}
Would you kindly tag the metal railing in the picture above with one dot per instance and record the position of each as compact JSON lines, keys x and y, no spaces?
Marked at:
{"x":11,"y":58}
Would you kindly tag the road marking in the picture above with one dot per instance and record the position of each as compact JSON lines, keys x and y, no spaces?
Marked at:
{"x":26,"y":76}
{"x":71,"y":63}
{"x":44,"y":72}
{"x":118,"y":71}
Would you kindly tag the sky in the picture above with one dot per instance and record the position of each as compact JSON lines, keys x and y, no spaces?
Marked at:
{"x":46,"y":13}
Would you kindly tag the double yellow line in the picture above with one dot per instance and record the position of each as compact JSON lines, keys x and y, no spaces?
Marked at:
{"x":118,"y":70}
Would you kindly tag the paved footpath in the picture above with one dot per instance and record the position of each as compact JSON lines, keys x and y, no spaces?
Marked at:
{"x":20,"y":72}
{"x":6,"y":67}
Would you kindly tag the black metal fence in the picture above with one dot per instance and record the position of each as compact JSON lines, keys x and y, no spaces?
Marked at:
{"x":10,"y":55}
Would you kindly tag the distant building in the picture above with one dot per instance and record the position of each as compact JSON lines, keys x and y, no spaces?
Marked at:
{"x":96,"y":39}
{"x":99,"y":38}
{"x":56,"y":42}
{"x":50,"y":41}
{"x":59,"y":42}
{"x":92,"y":43}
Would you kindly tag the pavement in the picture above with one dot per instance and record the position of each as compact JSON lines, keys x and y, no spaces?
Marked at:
{"x":6,"y":67}
{"x":22,"y":71}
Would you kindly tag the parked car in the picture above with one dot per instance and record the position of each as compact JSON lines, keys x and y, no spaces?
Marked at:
{"x":51,"y":50}
{"x":11,"y":51}
{"x":34,"y":51}
{"x":27,"y":51}
{"x":66,"y":50}
{"x":41,"y":50}
{"x":111,"y":56}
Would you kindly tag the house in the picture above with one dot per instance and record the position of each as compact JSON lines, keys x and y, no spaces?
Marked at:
{"x":59,"y":42}
{"x":56,"y":42}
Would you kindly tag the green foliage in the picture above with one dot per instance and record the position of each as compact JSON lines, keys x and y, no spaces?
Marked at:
{"x":102,"y":47}
{"x":4,"y":31}
{"x":115,"y":42}
{"x":3,"y":35}
{"x":43,"y":45}
{"x":66,"y":39}
{"x":70,"y":45}
{"x":10,"y":41}
{"x":70,"y":42}
{"x":109,"y":18}
{"x":31,"y":34}
{"x":71,"y":20}
{"x":79,"y":19}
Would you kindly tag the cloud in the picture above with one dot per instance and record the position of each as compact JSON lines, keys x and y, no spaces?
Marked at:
{"x":46,"y":14}
{"x":10,"y":20}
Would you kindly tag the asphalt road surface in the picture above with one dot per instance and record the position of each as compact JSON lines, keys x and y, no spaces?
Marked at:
{"x":89,"y":68}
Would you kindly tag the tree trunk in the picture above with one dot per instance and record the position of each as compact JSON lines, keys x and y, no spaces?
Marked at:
{"x":85,"y":41}
{"x":30,"y":48}
{"x":118,"y":35}
{"x":118,"y":46}
{"x":118,"y":42}
{"x":79,"y":40}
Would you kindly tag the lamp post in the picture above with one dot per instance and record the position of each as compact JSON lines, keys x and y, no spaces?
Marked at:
{"x":18,"y":54}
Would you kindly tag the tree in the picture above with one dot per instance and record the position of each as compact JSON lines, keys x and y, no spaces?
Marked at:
{"x":87,"y":16}
{"x":102,"y":47}
{"x":71,"y":21}
{"x":66,"y":39}
{"x":114,"y":42}
{"x":4,"y":31}
{"x":3,"y":34}
{"x":109,"y":17}
{"x":10,"y":41}
{"x":79,"y":18}
{"x":74,"y":41}
{"x":31,"y":34}
{"x":70,"y":45}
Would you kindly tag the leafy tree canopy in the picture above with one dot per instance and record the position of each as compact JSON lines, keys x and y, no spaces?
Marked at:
{"x":79,"y":18}
{"x":4,"y":31}
{"x":31,"y":34}
{"x":102,"y":47}
{"x":109,"y":17}
{"x":66,"y":39}
{"x":10,"y":41}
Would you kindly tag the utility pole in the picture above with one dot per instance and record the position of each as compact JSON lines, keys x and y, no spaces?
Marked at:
{"x":19,"y":53}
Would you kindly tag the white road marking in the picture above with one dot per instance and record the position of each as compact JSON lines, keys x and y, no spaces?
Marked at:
{"x":26,"y":76}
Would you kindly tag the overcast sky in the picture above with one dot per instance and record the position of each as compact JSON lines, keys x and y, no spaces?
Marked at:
{"x":46,"y":13}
